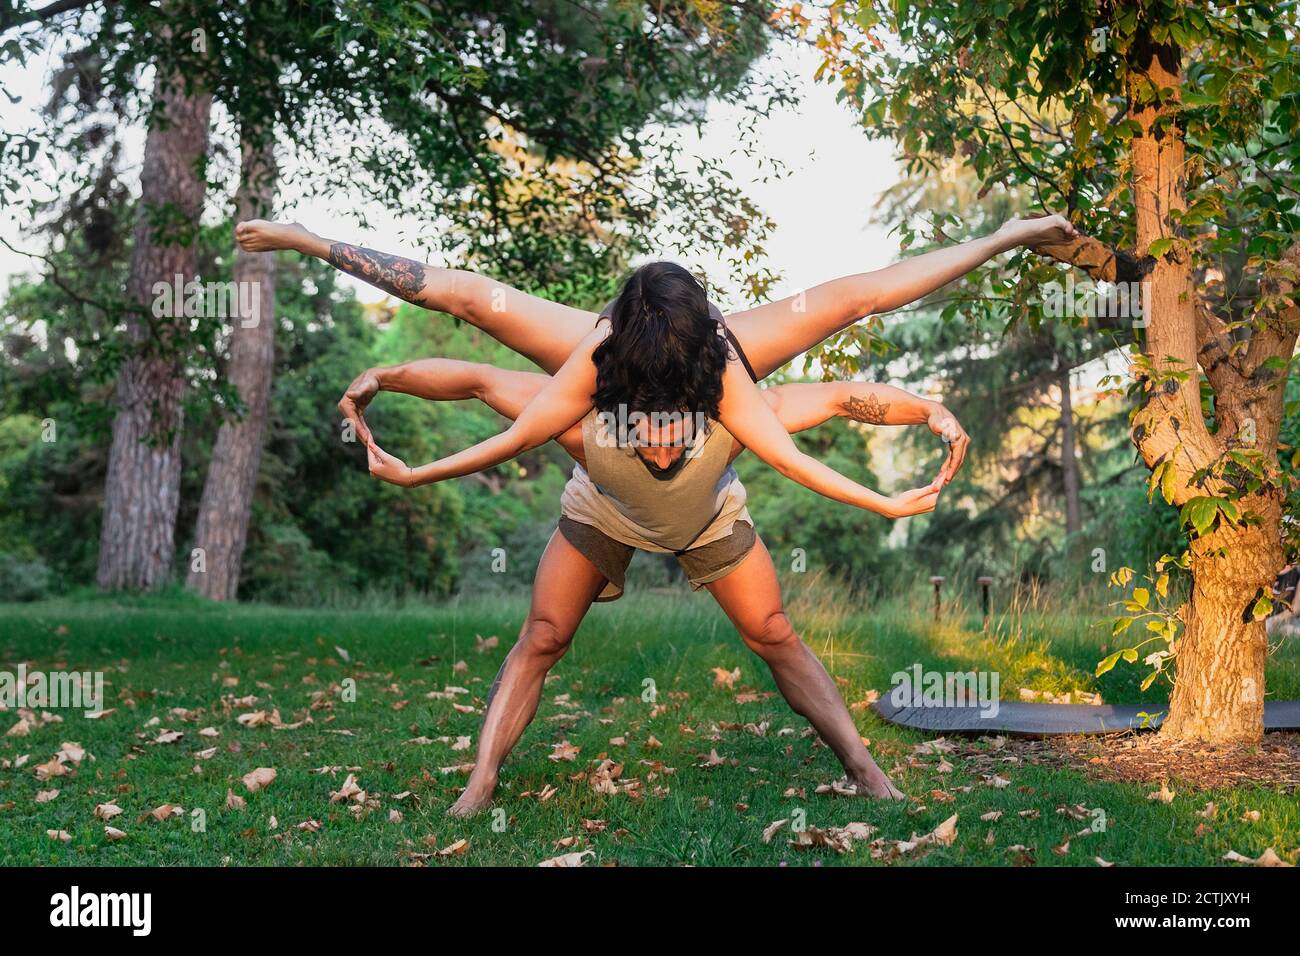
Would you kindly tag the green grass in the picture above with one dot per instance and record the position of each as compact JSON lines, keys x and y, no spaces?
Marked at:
{"x":166,"y":653}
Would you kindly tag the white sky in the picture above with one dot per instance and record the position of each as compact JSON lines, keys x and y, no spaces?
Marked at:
{"x":822,"y":208}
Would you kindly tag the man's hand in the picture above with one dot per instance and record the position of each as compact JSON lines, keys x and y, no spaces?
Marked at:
{"x":354,"y":401}
{"x":1039,"y":229}
{"x":944,"y":424}
{"x":387,"y":468}
{"x":918,"y":501}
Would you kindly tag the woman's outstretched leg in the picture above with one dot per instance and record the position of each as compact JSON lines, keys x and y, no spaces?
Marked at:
{"x":751,"y":596}
{"x":563,"y":590}
{"x":773,"y":334}
{"x":542,"y":331}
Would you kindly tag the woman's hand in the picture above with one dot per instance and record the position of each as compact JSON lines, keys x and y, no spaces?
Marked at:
{"x":1038,"y":229}
{"x":354,"y":401}
{"x":387,"y":468}
{"x":918,"y":501}
{"x":944,"y":424}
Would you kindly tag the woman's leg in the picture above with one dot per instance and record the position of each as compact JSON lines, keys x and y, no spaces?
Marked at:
{"x":542,"y":331}
{"x":773,"y":334}
{"x":563,"y":590}
{"x":751,"y":597}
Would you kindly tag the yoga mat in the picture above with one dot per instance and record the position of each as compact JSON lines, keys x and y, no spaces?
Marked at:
{"x":1019,"y":718}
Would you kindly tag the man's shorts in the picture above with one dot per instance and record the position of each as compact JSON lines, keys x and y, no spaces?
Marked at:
{"x":701,"y":565}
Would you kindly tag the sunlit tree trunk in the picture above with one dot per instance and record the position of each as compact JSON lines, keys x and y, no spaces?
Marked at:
{"x":1219,"y":657}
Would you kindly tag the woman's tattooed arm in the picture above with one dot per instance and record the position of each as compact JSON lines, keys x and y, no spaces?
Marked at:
{"x":404,"y":278}
{"x":870,"y":409}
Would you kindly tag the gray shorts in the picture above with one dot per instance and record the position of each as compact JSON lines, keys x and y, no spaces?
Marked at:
{"x":701,"y":565}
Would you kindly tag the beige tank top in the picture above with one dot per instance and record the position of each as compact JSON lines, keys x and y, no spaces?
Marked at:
{"x":693,"y":504}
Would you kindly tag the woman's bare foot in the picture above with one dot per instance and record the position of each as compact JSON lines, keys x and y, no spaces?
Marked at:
{"x":477,"y":797}
{"x":874,"y":783}
{"x":258,"y":235}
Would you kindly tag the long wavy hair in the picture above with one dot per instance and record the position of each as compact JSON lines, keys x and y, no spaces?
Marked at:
{"x":663,"y":353}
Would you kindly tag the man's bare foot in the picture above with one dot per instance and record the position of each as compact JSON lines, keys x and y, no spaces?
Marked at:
{"x":258,"y":235}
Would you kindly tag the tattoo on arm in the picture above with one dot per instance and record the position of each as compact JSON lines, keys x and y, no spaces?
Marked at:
{"x":870,"y":409}
{"x":401,"y":277}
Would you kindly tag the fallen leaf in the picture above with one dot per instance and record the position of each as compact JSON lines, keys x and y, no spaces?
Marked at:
{"x":568,"y":859}
{"x":258,"y":779}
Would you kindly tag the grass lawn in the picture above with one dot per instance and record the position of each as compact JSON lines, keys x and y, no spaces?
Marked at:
{"x":181,"y":666}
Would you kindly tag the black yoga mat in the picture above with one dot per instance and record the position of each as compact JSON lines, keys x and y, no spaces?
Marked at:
{"x":1018,"y":718}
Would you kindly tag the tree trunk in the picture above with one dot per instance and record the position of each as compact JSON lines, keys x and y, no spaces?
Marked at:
{"x":1069,"y":458}
{"x":142,"y":488}
{"x":1219,"y":656}
{"x":232,"y":475}
{"x":1219,"y":690}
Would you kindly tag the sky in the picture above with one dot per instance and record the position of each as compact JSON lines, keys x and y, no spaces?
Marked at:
{"x":822,"y":208}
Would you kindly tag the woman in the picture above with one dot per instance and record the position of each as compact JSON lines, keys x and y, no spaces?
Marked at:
{"x":658,"y":349}
{"x":583,"y":564}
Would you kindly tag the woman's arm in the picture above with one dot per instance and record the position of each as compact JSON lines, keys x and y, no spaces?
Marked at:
{"x":506,"y":391}
{"x":745,"y":413}
{"x":561,"y":403}
{"x":802,"y":405}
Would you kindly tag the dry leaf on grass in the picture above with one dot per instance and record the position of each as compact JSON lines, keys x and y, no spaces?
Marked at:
{"x":258,"y":779}
{"x":563,"y":751}
{"x":113,"y":833}
{"x":568,"y":859}
{"x":1268,"y":858}
{"x":349,"y":791}
{"x":725,"y":678}
{"x":1164,"y":794}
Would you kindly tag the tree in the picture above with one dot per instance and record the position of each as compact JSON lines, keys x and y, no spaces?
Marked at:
{"x":142,"y":488}
{"x":481,"y":107}
{"x":1166,"y":131}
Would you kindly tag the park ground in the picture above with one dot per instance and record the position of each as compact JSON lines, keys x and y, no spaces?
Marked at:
{"x":649,"y":747}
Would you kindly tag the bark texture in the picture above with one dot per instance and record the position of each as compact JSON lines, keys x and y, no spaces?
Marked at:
{"x":227,"y":503}
{"x":142,"y":488}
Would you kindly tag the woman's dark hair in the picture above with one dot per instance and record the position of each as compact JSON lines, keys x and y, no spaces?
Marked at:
{"x":663,"y":352}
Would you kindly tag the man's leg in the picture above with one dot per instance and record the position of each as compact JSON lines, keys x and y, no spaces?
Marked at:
{"x":563,"y":590}
{"x":751,"y":596}
{"x":542,"y":331}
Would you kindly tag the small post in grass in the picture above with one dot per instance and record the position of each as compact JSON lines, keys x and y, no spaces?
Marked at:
{"x":984,"y":581}
{"x":937,"y":581}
